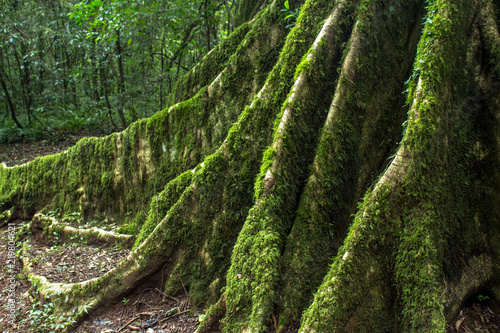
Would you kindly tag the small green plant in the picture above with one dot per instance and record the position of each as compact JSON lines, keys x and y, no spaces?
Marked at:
{"x":54,"y":213}
{"x":23,"y":231}
{"x":288,"y":15}
{"x":482,"y":298}
{"x":74,"y":217}
{"x":41,"y":318}
{"x":125,"y":301}
{"x":86,"y":308}
{"x":55,"y":237}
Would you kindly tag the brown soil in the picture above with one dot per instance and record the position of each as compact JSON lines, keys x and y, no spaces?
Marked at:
{"x":147,"y":309}
{"x":479,"y":317}
{"x":74,"y":262}
{"x":25,"y":151}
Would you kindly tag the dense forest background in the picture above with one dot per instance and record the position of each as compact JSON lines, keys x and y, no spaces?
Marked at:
{"x":68,"y":65}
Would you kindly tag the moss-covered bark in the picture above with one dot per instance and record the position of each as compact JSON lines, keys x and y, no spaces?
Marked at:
{"x":343,"y":174}
{"x":416,"y":246}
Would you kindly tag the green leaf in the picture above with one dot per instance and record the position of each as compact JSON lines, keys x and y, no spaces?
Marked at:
{"x":129,"y":41}
{"x":287,"y":6}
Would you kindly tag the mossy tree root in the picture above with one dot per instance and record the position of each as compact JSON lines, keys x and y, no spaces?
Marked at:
{"x":254,"y":270}
{"x":358,"y":137}
{"x":51,"y":226}
{"x":176,"y":228}
{"x":406,"y":232}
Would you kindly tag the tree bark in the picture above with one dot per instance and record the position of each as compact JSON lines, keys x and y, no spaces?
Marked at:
{"x":121,"y":80}
{"x":6,"y":92}
{"x":105,"y":92}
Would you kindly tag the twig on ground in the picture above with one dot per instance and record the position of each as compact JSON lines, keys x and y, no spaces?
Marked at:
{"x":129,"y":322}
{"x":146,"y":314}
{"x":168,"y":296}
{"x":185,"y":291}
{"x":172,"y":316}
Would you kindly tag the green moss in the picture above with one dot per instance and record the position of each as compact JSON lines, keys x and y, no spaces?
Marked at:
{"x":354,"y":144}
{"x":208,"y":68}
{"x":160,"y":204}
{"x":413,"y":223}
{"x":247,"y":10}
{"x":254,"y":271}
{"x":355,"y":295}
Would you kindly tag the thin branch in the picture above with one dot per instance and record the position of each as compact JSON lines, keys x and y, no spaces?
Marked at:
{"x":25,"y":35}
{"x":168,"y":296}
{"x":45,"y":52}
{"x":185,"y":41}
{"x":146,"y":215}
{"x":172,"y":316}
{"x":184,"y":287}
{"x":129,"y":322}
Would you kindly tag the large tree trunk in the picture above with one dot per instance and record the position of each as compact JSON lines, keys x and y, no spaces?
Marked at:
{"x":292,"y":179}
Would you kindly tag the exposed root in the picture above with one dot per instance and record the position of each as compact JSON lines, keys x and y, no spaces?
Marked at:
{"x":49,"y":225}
{"x":255,"y":266}
{"x":5,"y":216}
{"x":342,"y":169}
{"x":476,"y":275}
{"x":399,"y":220}
{"x":303,"y":88}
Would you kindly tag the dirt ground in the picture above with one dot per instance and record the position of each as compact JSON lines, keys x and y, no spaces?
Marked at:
{"x":147,"y":309}
{"x":25,"y":151}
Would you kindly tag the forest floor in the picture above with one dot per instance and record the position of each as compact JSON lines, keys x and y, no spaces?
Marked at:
{"x":25,"y":151}
{"x":147,"y":309}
